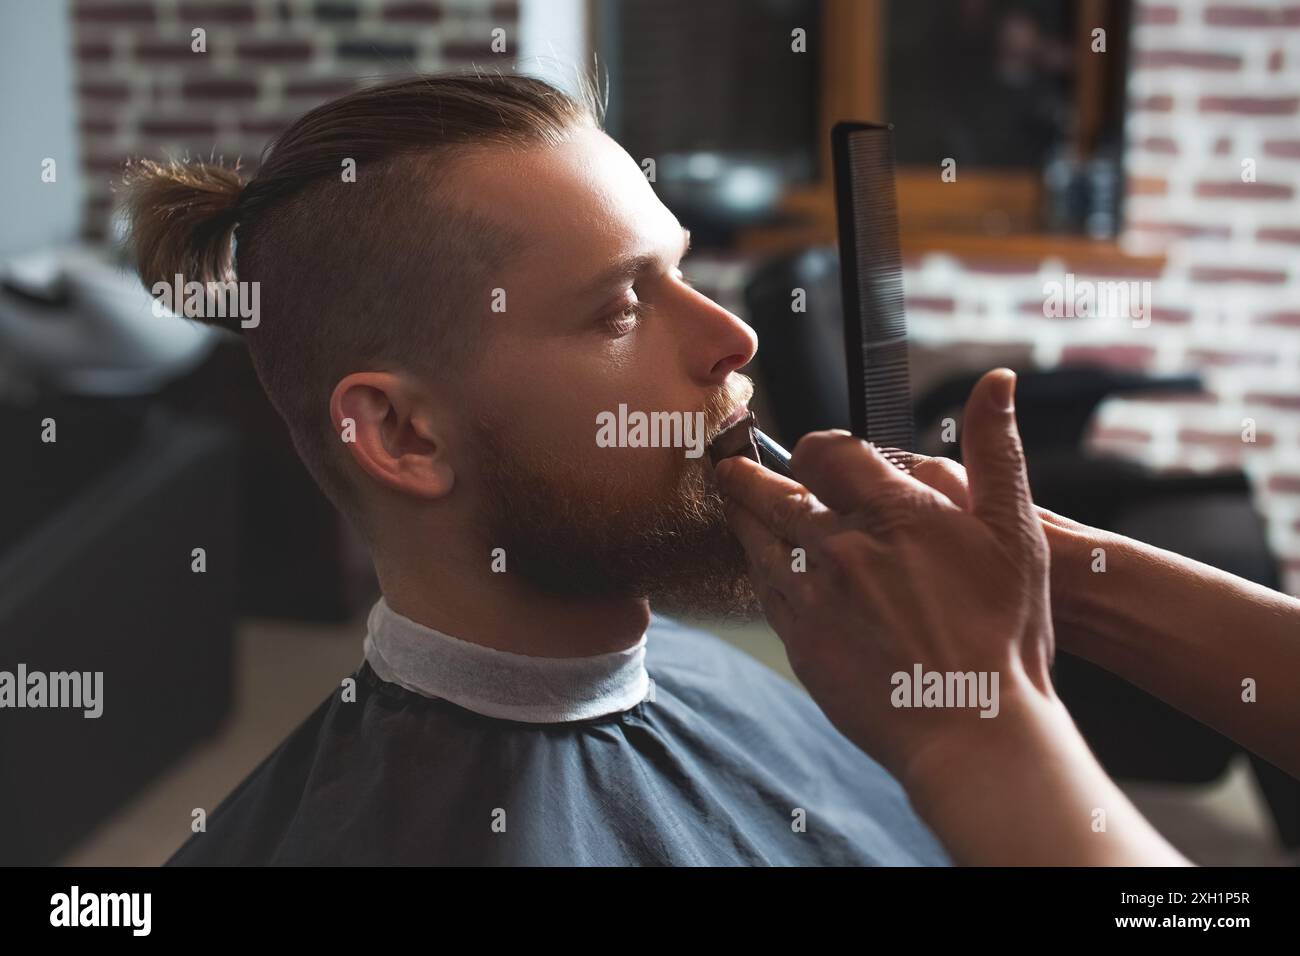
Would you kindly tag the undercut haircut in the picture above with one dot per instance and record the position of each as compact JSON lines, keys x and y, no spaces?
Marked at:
{"x":386,"y":269}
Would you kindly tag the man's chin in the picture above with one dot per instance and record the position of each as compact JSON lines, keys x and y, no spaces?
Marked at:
{"x":696,"y":572}
{"x":732,"y":602}
{"x":704,"y":575}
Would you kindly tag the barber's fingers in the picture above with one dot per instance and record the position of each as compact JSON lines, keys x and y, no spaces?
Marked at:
{"x":770,"y":555}
{"x":942,"y":474}
{"x":853,"y":477}
{"x":994,"y":458}
{"x":945,"y":476}
{"x":779,"y":610}
{"x":771,"y":566}
{"x":786,"y":508}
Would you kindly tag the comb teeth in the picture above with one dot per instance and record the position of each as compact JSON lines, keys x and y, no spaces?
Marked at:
{"x":875,"y":321}
{"x":904,"y":461}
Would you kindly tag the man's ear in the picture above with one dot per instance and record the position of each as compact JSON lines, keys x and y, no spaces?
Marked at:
{"x":393,"y":430}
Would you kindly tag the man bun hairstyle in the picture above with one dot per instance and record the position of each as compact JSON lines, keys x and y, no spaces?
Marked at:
{"x":182,"y":217}
{"x":388,"y":270}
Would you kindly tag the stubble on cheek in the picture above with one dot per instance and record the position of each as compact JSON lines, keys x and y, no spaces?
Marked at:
{"x":636,"y":522}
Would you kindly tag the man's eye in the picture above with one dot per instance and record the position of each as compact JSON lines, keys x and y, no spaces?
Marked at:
{"x":626,"y":320}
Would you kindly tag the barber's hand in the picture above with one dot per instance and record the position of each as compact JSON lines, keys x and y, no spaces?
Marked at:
{"x":1070,"y":542}
{"x":900,"y":574}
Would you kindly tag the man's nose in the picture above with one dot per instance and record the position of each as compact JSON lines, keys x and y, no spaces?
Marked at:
{"x":724,"y":342}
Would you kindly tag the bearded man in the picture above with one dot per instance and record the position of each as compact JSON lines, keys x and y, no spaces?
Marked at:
{"x":442,"y":333}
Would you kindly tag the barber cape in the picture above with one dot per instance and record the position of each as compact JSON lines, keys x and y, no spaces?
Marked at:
{"x":680,"y":750}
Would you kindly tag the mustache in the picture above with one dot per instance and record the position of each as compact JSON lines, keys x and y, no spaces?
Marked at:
{"x":738,"y":391}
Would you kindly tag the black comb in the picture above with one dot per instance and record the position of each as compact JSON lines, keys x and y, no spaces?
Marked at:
{"x":871,"y":280}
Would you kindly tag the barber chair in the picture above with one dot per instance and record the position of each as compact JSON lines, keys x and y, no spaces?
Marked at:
{"x":96,"y":535}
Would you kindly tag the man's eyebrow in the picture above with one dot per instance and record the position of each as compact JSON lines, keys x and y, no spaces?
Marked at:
{"x":629,"y":267}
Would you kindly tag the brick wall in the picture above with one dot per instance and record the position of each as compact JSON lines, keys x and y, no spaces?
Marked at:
{"x":143,"y":90}
{"x":1213,"y":84}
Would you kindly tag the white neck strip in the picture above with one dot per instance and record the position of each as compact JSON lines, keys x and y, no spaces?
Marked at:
{"x":537,"y":690}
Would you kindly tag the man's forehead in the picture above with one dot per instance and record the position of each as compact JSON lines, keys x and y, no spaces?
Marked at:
{"x":584,"y":206}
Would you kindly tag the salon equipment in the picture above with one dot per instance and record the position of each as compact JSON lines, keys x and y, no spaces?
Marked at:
{"x":76,"y":320}
{"x":97,"y":574}
{"x":871,"y":281}
{"x":743,"y":438}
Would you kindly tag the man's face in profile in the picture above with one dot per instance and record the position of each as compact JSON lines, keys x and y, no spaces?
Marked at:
{"x":597,"y":316}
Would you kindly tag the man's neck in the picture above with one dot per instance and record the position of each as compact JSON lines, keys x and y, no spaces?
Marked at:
{"x":501,"y":611}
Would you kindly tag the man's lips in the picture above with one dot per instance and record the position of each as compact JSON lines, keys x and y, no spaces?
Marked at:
{"x":740,"y":412}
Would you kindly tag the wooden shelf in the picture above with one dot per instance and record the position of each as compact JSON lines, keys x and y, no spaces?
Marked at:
{"x":1076,"y":253}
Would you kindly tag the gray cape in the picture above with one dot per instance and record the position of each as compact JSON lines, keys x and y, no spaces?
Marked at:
{"x":726,"y":763}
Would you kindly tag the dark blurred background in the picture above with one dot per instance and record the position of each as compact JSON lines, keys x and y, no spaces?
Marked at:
{"x":1088,"y":142}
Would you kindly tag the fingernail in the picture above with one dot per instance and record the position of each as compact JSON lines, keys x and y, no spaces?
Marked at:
{"x":1004,"y":391}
